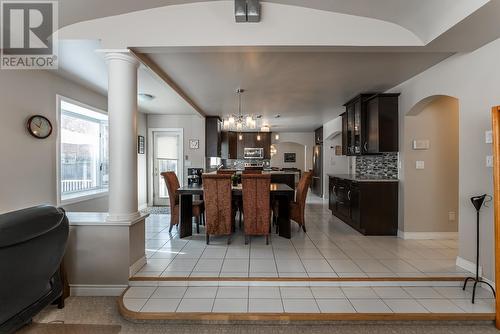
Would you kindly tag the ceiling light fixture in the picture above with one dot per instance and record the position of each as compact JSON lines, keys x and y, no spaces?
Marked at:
{"x":277,"y":136}
{"x":146,"y":97}
{"x":239,"y":121}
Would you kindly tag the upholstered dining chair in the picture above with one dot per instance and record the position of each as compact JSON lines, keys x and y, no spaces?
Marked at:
{"x":172,"y":183}
{"x":297,"y":207}
{"x":226,"y":171}
{"x":217,"y":194}
{"x":256,"y":205}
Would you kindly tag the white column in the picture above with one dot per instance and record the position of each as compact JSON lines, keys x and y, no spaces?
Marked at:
{"x":122,"y":111}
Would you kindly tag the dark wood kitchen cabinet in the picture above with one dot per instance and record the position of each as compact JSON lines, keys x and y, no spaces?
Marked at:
{"x":249,"y":139}
{"x":370,"y":207}
{"x":213,"y":137}
{"x":370,"y":124}
{"x":229,"y":145}
{"x":318,"y":136}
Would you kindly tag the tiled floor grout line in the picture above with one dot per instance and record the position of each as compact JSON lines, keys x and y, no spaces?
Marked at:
{"x":182,"y":298}
{"x":147,"y":300}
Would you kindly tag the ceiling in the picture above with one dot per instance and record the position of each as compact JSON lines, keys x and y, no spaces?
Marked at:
{"x":305,"y":85}
{"x":79,"y":62}
{"x":425,"y":18}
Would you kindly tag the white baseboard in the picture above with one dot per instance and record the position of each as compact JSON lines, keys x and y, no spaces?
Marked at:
{"x":135,"y":267}
{"x":143,"y":206}
{"x":90,"y":290}
{"x":427,"y":235}
{"x":468,"y":265}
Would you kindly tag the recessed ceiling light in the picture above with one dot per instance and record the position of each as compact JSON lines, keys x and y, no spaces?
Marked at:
{"x":146,"y":97}
{"x":277,"y":116}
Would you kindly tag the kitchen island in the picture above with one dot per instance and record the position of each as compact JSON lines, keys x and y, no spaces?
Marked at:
{"x":367,"y":204}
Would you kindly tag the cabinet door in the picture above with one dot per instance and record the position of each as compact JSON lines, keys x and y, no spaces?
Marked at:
{"x":344,"y":134}
{"x":354,"y":205}
{"x":249,"y":139}
{"x":240,"y":145}
{"x":265,"y":143}
{"x":357,"y":130}
{"x":350,"y":128}
{"x":371,"y":144}
{"x":232,"y":145}
{"x":225,"y":145}
{"x":213,"y":137}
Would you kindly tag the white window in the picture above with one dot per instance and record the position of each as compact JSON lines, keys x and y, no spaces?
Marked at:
{"x":83,"y":151}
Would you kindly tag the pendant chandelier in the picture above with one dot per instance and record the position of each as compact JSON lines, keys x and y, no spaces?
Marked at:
{"x":239,"y":122}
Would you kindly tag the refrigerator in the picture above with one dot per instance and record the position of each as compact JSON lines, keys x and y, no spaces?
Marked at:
{"x":317,"y":172}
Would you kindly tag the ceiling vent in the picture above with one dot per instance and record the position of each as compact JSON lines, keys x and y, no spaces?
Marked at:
{"x":247,"y":10}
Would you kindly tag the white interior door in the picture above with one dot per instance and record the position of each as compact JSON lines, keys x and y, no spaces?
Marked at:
{"x":167,"y":157}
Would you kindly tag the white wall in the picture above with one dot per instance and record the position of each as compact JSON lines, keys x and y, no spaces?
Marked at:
{"x":194,"y":128}
{"x":142,"y":185}
{"x":332,"y":164}
{"x":286,"y":147}
{"x":303,"y":138}
{"x":473,"y":79}
{"x":28,"y":165}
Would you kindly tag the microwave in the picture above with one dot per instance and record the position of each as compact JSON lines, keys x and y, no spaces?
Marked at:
{"x":253,"y":153}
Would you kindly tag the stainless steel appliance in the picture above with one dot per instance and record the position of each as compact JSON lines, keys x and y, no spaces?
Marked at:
{"x":194,"y":176}
{"x":317,"y":177}
{"x":253,"y":153}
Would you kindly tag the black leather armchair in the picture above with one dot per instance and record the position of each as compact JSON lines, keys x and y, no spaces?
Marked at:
{"x":32,"y":245}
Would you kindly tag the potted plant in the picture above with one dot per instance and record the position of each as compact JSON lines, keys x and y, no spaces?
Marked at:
{"x":234,"y":178}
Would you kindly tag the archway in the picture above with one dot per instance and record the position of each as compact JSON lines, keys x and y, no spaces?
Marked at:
{"x":431,"y":169}
{"x":278,"y":158}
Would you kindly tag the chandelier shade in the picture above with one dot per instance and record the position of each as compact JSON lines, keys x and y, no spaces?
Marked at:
{"x":239,"y":121}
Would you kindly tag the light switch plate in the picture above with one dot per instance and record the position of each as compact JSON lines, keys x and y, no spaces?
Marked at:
{"x":488,"y":137}
{"x":420,"y":164}
{"x":421,"y":144}
{"x":489,"y":161}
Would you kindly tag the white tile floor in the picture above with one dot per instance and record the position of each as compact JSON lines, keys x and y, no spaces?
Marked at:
{"x":329,"y":249}
{"x":307,"y":299}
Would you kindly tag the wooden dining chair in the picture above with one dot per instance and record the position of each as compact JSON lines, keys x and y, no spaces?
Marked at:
{"x":172,"y":183}
{"x":256,"y":205}
{"x":217,"y":193}
{"x":297,"y":207}
{"x":226,"y":171}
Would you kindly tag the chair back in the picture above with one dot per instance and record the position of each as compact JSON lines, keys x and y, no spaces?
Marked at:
{"x":256,"y":203}
{"x":226,"y":171}
{"x":172,"y":183}
{"x":252,"y":171}
{"x":302,"y":188}
{"x":218,"y":199}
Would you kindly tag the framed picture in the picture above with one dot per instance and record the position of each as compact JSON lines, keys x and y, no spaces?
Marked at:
{"x":194,"y":144}
{"x":140,"y":144}
{"x":290,"y":157}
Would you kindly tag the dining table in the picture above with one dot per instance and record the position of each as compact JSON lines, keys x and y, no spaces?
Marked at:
{"x":279,"y":192}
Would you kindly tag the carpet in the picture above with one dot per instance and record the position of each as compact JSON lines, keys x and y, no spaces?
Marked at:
{"x":57,"y":328}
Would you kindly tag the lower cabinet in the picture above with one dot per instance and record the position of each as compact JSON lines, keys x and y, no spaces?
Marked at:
{"x":370,"y":207}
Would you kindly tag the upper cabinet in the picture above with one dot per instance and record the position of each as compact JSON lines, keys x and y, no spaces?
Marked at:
{"x":370,"y":124}
{"x":234,"y":148}
{"x":318,"y":136}
{"x":213,"y":137}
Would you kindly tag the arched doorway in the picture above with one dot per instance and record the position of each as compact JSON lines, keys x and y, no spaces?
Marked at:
{"x":278,"y":155}
{"x":431,"y":169}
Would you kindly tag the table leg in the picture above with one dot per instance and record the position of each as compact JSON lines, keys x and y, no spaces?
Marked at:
{"x":186,"y":216}
{"x":284,"y":224}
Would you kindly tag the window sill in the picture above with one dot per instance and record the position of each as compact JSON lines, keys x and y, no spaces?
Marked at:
{"x":83,"y":196}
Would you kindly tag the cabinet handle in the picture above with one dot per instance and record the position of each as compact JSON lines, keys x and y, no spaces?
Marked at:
{"x":366,"y":146}
{"x":334,"y":189}
{"x":349,"y":195}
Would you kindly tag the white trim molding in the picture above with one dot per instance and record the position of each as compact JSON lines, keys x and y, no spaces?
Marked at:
{"x":135,"y":267}
{"x":427,"y":235}
{"x":91,"y":290}
{"x":469,"y":266}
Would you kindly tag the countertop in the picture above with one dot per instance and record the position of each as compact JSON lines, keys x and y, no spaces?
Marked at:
{"x":362,"y":178}
{"x":263,"y":172}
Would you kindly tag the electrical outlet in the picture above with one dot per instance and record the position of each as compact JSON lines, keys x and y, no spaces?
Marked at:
{"x":488,"y":137}
{"x":420,"y":164}
{"x":452,"y":216}
{"x":489,"y":161}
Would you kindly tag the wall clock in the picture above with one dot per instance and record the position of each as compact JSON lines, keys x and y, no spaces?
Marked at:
{"x":194,"y":144}
{"x":39,"y":126}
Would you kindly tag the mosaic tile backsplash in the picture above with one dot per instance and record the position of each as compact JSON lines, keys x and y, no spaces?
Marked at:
{"x":385,"y":165}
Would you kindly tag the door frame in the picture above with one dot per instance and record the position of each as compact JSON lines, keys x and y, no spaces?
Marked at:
{"x":150,"y":150}
{"x":495,"y":115}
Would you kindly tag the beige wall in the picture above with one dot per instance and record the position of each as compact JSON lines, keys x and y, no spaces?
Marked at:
{"x":28,"y":165}
{"x":472,"y":78}
{"x":431,"y":193}
{"x":278,"y":160}
{"x":303,"y":138}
